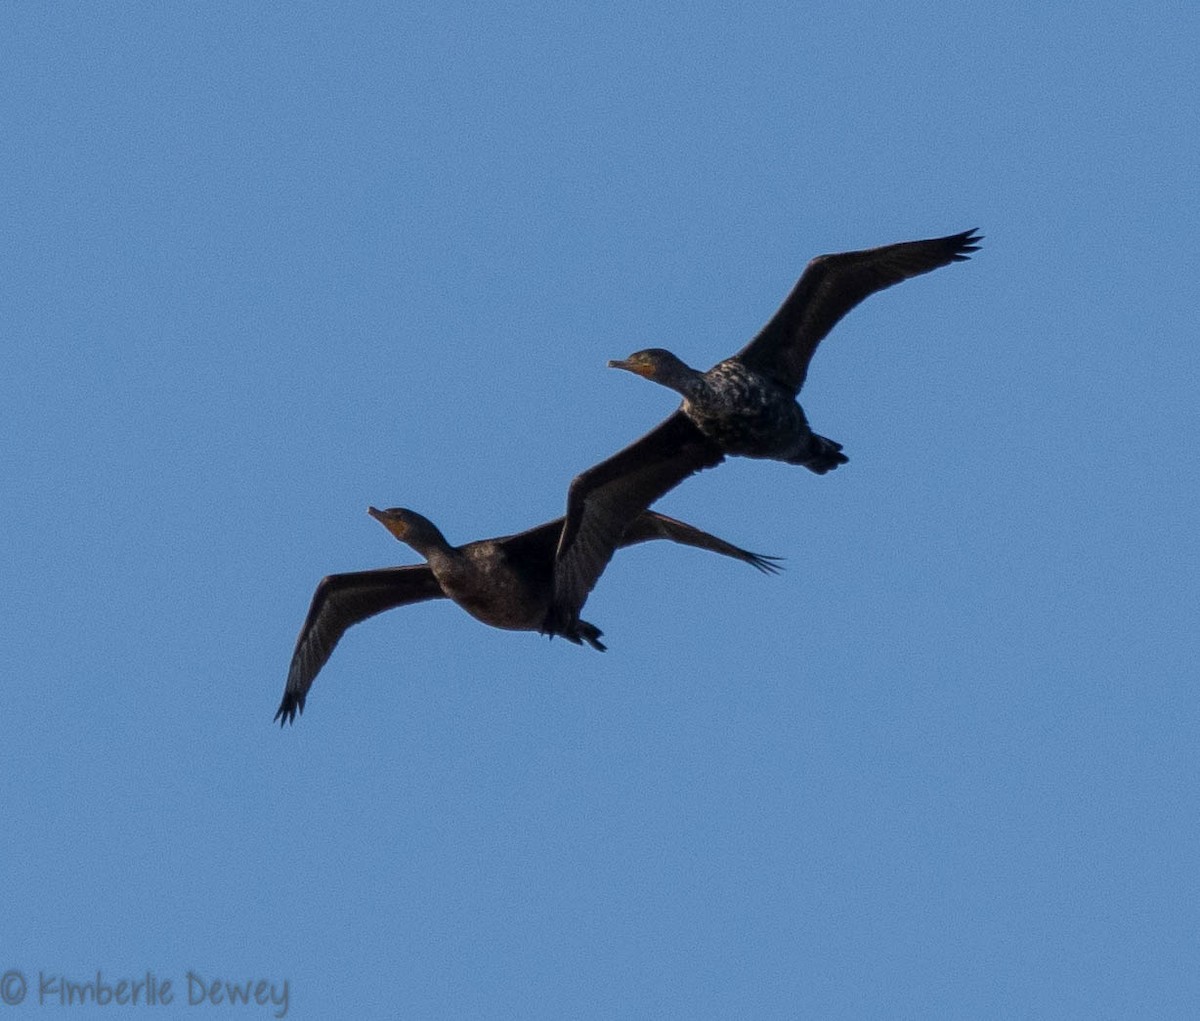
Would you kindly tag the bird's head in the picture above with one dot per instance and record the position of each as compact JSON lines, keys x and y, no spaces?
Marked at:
{"x":654,"y":363}
{"x":647,"y":363}
{"x":408,"y":526}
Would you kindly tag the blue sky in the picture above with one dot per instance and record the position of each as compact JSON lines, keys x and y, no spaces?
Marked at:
{"x":264,"y":265}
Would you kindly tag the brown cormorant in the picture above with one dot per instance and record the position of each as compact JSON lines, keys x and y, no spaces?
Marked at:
{"x":745,"y":405}
{"x":505,"y":582}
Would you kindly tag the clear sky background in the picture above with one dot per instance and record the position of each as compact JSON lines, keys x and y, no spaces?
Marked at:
{"x":264,"y":265}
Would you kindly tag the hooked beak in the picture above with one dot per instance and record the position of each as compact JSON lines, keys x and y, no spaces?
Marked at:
{"x":638,"y":368}
{"x":393,"y":524}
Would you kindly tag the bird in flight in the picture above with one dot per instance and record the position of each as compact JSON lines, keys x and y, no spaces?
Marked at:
{"x":745,"y":405}
{"x":504,"y":582}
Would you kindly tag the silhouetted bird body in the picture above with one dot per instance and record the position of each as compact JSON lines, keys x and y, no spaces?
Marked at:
{"x":748,"y":414}
{"x":505,"y":582}
{"x":744,"y":406}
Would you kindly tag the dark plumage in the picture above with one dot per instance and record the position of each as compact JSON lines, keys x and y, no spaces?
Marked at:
{"x":504,"y":582}
{"x":745,"y":405}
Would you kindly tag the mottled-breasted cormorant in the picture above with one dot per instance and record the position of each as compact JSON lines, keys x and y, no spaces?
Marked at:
{"x":505,"y":582}
{"x":744,"y":405}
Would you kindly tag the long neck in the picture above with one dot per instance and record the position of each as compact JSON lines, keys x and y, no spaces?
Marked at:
{"x":427,"y":540}
{"x":681,"y":378}
{"x":451,"y":566}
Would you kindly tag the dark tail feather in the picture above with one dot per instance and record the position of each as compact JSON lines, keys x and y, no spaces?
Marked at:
{"x":590,"y":634}
{"x":822,"y":455}
{"x":577,"y":633}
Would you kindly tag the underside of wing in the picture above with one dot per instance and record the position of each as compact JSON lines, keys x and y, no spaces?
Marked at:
{"x":651,"y":525}
{"x":340,"y":602}
{"x":831,"y":286}
{"x":534,"y":544}
{"x":605,"y":500}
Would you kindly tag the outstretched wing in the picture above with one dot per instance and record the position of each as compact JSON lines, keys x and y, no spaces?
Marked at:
{"x":829,"y":287}
{"x":604,"y":501}
{"x":652,"y":525}
{"x":340,"y":602}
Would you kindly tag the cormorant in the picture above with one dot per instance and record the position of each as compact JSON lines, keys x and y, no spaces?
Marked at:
{"x":745,"y":405}
{"x":504,"y":582}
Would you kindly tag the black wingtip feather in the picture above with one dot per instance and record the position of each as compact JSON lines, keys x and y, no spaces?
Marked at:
{"x":965,"y":243}
{"x":766,"y":564}
{"x":288,"y":708}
